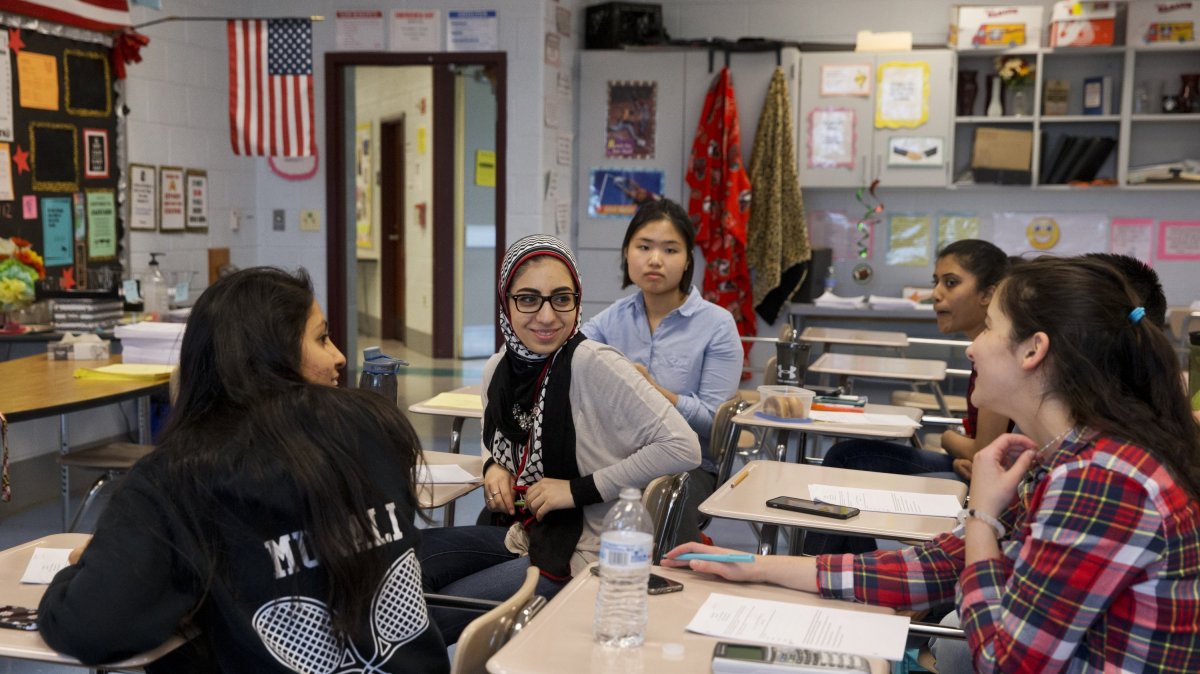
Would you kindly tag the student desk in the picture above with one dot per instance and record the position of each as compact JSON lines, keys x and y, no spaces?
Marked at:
{"x":431,"y":496}
{"x":873,"y":338}
{"x":34,"y":387}
{"x":445,"y":405}
{"x":29,"y":645}
{"x":559,"y":638}
{"x":912,"y":370}
{"x":764,"y":480}
{"x":827,"y":429}
{"x":458,"y":405}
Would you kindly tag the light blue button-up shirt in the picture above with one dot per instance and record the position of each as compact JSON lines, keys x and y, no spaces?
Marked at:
{"x":695,"y":353}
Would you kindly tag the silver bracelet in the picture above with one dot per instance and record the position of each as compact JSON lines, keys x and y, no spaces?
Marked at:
{"x":995,"y":524}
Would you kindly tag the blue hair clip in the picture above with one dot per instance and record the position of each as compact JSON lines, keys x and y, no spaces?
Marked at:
{"x":1135,"y":316}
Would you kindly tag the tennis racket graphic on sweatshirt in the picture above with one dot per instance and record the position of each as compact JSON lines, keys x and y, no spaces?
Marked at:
{"x":298,"y":631}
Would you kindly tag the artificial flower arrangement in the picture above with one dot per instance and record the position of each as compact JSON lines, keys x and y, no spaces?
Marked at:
{"x":20,"y":269}
{"x":1014,"y":71}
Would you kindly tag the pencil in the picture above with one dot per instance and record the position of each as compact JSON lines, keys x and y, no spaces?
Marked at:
{"x":738,"y":480}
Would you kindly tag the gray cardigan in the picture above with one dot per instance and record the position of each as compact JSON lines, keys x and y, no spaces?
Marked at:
{"x":626,"y":432}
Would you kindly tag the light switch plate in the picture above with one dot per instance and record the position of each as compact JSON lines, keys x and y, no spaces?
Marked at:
{"x":277,"y":219}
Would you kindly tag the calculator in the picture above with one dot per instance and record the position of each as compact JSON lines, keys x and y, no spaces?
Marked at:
{"x":750,"y":659}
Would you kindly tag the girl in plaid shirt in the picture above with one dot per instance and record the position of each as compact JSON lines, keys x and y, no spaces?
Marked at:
{"x":1081,"y":551}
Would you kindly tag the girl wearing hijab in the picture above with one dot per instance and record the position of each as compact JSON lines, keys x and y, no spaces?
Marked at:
{"x":567,"y":424}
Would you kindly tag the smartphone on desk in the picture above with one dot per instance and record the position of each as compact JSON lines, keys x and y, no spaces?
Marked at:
{"x":657,"y":585}
{"x":801,"y":505}
{"x":18,"y":618}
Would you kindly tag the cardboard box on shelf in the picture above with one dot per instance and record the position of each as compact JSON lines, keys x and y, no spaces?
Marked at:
{"x":1163,"y":24}
{"x":1002,"y":155}
{"x":1083,"y":24}
{"x":995,"y":27}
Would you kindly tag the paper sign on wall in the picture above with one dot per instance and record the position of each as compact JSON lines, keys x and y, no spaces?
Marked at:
{"x":474,"y":30}
{"x":416,"y":30}
{"x":908,"y":240}
{"x":101,"y":225}
{"x":1133,"y":237}
{"x":6,"y":89}
{"x":902,"y":95}
{"x":846,"y":80}
{"x":956,"y":227}
{"x":57,"y":231}
{"x":1179,"y":240}
{"x":831,"y":138}
{"x":143,"y":197}
{"x":359,"y":29}
{"x":171,"y":189}
{"x":1057,"y":233}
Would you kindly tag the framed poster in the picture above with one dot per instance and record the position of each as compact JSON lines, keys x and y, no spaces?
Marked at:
{"x":917,"y":152}
{"x":95,"y":153}
{"x":171,"y":197}
{"x":846,"y":80}
{"x":197,"y":199}
{"x":831,"y":138}
{"x":143,"y":197}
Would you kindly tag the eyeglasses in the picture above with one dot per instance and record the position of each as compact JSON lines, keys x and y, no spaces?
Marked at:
{"x":528,"y":303}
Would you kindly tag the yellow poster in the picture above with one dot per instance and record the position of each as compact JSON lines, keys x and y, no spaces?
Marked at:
{"x":38,"y":78}
{"x":485,"y":168}
{"x":908,"y":240}
{"x":421,"y":140}
{"x":902,"y":95}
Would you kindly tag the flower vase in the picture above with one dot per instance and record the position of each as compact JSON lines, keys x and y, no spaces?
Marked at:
{"x":968,"y":89}
{"x":8,"y":326}
{"x":995,"y":106}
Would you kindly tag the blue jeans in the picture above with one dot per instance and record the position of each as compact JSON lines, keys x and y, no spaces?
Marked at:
{"x":879,"y":457}
{"x":472,"y":562}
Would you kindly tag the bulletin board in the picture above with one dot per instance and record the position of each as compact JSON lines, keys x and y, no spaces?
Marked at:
{"x":58,"y":128}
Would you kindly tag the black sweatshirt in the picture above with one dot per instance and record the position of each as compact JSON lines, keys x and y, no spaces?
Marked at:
{"x":144,"y":573}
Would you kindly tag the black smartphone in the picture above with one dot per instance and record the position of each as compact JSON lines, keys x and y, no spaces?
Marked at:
{"x":658,"y":584}
{"x":18,"y":618}
{"x":801,"y":505}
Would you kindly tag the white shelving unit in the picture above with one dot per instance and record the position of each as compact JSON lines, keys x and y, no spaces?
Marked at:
{"x":1142,"y":138}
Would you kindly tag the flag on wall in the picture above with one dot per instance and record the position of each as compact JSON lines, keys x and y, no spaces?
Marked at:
{"x":98,"y":15}
{"x":271,"y":87}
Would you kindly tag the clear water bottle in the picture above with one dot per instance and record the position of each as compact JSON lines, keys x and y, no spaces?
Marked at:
{"x":379,"y":373}
{"x":156,"y":294}
{"x":626,"y":545}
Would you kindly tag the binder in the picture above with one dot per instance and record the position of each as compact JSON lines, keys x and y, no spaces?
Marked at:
{"x":1073,"y":146}
{"x":1091,"y":159}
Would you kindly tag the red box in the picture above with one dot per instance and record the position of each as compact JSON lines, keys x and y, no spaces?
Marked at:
{"x":1083,"y":24}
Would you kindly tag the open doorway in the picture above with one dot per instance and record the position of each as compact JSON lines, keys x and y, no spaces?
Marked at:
{"x":428,"y":270}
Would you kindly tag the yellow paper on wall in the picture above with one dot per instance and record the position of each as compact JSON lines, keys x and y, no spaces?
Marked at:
{"x":38,"y":75}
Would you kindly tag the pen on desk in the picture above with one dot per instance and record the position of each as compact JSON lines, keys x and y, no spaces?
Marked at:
{"x":738,"y":480}
{"x":714,"y":557}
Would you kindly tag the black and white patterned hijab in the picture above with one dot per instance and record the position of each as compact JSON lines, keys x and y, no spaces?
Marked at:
{"x":527,"y":424}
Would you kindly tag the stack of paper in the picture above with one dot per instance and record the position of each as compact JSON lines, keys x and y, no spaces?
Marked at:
{"x":828,"y":299}
{"x":150,"y":342}
{"x":881,"y":302}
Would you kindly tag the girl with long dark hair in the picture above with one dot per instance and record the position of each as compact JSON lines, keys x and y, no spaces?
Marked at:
{"x":275,"y":515}
{"x":1081,"y":547}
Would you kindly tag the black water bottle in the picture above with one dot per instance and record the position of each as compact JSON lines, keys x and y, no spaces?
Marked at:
{"x":379,"y":373}
{"x":791,"y":357}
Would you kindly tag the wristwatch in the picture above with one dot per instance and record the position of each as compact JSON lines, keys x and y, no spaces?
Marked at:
{"x":995,"y":524}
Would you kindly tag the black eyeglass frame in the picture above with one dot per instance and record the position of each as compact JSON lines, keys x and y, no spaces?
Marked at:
{"x":544,"y":299}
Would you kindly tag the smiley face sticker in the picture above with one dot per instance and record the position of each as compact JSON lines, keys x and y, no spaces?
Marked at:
{"x":1042,"y":233}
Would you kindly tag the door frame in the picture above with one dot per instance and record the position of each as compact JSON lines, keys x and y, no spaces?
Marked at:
{"x":442,"y":133}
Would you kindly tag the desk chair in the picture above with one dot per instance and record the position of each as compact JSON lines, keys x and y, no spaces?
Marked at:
{"x":114,"y":459}
{"x":486,"y":634}
{"x":663,"y":499}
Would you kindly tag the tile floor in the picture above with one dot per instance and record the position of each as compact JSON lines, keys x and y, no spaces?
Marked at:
{"x":424,"y":378}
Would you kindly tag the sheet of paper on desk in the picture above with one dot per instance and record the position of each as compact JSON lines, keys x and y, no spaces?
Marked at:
{"x":860,"y":419}
{"x":885,"y":501}
{"x":446,"y":474}
{"x":778,"y":623}
{"x":458,"y":401}
{"x":44,"y":564}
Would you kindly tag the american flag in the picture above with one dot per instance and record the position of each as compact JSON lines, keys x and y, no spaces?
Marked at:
{"x":98,"y":15}
{"x":271,"y":87}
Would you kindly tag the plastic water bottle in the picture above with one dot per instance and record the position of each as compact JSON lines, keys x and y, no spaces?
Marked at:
{"x":626,"y":544}
{"x":379,"y":373}
{"x":156,"y":295}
